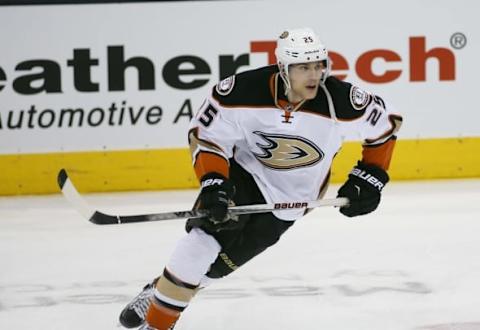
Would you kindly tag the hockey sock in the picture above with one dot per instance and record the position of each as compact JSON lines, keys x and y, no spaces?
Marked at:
{"x":170,"y":298}
{"x":160,"y":317}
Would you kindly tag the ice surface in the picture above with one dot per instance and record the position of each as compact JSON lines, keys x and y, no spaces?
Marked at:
{"x":413,"y":264}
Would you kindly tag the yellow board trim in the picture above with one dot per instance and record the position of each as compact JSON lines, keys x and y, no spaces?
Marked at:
{"x":172,"y":169}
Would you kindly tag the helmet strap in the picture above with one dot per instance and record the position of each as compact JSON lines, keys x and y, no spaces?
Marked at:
{"x":284,"y":75}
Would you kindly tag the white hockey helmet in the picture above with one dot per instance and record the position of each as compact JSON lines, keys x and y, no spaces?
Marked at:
{"x":300,"y":46}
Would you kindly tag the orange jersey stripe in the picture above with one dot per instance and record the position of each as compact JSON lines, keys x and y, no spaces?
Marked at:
{"x":379,"y":155}
{"x":207,"y":162}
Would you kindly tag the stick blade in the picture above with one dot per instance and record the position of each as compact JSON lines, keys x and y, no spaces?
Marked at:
{"x":71,"y":194}
{"x":100,"y":218}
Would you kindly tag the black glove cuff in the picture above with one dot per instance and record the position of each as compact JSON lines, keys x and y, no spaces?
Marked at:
{"x":214,"y":180}
{"x":371,"y":174}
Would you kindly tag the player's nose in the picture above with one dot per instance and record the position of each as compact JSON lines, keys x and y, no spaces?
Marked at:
{"x":314,"y":74}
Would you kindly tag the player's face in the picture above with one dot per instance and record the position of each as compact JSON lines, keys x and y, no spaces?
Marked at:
{"x":304,"y":80}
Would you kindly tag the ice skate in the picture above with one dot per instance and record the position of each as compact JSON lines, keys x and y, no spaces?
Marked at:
{"x":133,"y":315}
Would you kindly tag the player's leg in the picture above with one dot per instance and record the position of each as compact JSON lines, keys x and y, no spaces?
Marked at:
{"x":189,"y":264}
{"x":162,"y":301}
{"x":260,"y":232}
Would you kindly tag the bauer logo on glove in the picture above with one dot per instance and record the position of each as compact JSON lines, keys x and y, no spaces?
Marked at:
{"x":363,"y":187}
{"x":367,"y":177}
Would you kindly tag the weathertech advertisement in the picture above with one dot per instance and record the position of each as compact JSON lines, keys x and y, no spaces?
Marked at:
{"x":130,"y":76}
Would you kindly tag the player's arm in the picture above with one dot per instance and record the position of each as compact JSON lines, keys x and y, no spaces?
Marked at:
{"x":212,"y":136}
{"x":381,"y":124}
{"x":378,"y":126}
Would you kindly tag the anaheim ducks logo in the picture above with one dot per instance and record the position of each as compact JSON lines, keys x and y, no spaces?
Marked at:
{"x":286,"y":152}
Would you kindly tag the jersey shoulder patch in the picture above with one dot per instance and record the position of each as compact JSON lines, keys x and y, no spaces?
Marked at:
{"x":359,"y":98}
{"x":350,"y":101}
{"x":225,"y":86}
{"x":246,"y":89}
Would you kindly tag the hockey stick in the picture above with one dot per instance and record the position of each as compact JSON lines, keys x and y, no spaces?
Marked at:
{"x":100,"y":218}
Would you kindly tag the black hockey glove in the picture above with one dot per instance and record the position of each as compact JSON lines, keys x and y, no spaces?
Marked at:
{"x":363,"y":189}
{"x":215,"y":196}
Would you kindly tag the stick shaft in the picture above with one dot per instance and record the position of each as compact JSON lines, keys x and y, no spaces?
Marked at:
{"x":100,"y":218}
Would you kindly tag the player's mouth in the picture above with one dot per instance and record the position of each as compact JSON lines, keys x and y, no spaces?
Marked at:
{"x":312,"y":87}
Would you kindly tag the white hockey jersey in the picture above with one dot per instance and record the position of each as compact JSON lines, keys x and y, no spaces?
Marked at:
{"x":288,"y":149}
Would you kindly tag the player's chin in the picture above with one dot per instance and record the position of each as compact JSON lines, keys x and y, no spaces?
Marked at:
{"x":310,"y":92}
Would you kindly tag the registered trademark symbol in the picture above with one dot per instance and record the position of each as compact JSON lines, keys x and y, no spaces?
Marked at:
{"x":458,"y":40}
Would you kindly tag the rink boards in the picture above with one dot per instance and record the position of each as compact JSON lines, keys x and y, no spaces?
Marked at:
{"x":171,"y":168}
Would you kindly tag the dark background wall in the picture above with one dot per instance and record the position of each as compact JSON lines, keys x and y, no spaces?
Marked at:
{"x":46,"y":2}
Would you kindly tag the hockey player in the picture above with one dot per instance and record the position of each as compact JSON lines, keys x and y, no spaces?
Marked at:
{"x":264,"y":136}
